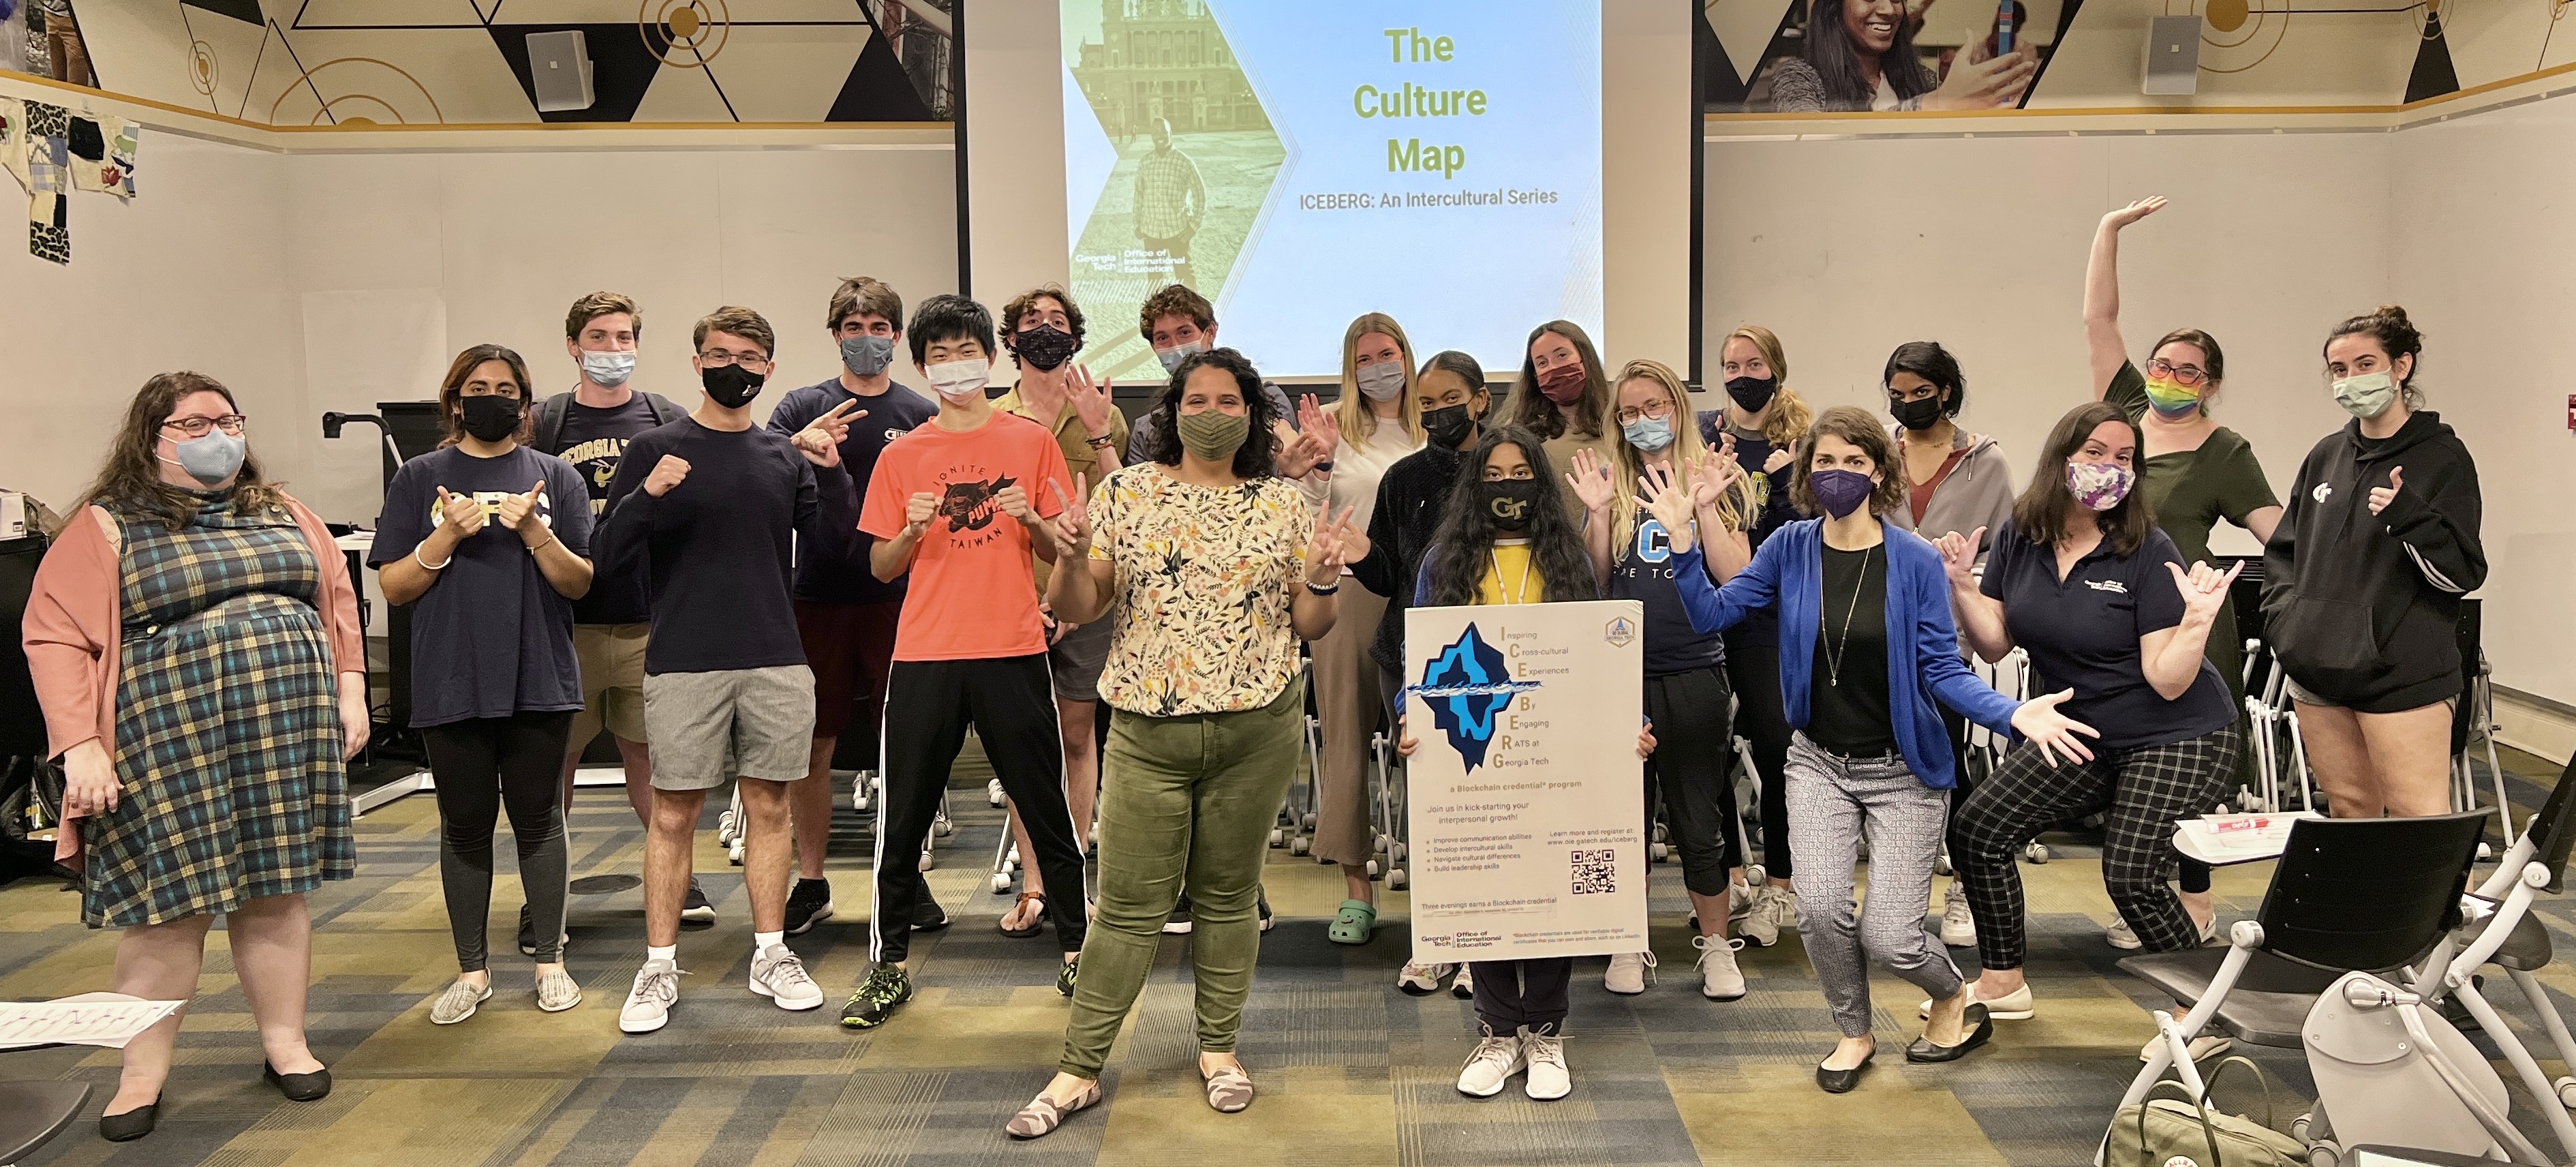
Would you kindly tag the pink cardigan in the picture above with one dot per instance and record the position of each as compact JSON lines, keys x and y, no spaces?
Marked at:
{"x":72,"y":631}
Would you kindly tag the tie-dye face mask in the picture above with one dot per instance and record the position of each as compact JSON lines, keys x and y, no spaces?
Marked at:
{"x":2172,"y":400}
{"x":2099,"y":485}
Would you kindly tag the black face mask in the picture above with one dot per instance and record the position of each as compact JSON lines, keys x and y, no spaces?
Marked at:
{"x":1448,"y":425}
{"x":1509,"y":500}
{"x":489,"y":417}
{"x":731,"y":386}
{"x":1045,"y":348}
{"x":1750,"y":394}
{"x":1916,"y":415}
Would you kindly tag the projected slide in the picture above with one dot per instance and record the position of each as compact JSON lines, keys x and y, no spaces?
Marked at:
{"x":1299,"y":164}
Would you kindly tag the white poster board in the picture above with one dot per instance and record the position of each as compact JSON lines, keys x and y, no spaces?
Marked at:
{"x":108,"y":1020}
{"x":1525,"y":799}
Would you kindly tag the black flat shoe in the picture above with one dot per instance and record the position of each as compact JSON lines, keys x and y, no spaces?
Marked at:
{"x":1980,"y":1027}
{"x":1842,"y":1081}
{"x":131,"y":1125}
{"x":312,"y":1087}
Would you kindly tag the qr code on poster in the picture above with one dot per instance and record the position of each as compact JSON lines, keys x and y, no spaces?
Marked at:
{"x":1595,"y":872}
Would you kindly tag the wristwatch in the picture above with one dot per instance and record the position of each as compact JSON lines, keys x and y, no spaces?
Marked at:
{"x":1102,"y":442}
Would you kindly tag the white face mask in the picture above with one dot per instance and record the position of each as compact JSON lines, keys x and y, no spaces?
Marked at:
{"x":1173,"y":356}
{"x":607,"y":370}
{"x":959,"y":380}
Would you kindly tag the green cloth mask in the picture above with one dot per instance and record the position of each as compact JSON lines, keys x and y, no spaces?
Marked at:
{"x":1213,"y":436}
{"x":2366,"y":396}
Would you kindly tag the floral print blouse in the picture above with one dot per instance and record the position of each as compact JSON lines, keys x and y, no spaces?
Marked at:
{"x":1204,"y":580}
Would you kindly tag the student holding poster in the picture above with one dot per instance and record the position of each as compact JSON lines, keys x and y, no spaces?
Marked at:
{"x":1505,"y":538}
{"x":1870,"y":754}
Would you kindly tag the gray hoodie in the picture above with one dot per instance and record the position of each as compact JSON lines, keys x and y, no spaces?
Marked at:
{"x":1978,"y":493}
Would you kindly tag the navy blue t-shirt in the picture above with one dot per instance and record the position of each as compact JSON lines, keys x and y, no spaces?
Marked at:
{"x":490,"y":637}
{"x":1644,"y":573}
{"x":822,"y":577}
{"x":2083,"y":633}
{"x":594,"y":442}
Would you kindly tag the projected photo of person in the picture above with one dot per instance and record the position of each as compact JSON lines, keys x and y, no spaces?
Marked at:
{"x":1173,"y":162}
{"x":1876,"y":56}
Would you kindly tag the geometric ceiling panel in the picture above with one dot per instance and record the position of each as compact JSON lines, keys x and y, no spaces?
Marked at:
{"x":622,"y":67}
{"x":878,"y":90}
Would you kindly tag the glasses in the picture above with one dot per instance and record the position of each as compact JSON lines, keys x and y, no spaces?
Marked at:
{"x":198,"y":427}
{"x":719,"y":358}
{"x":1655,"y":410}
{"x":2181,"y":374}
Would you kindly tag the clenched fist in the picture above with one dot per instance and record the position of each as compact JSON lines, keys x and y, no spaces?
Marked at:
{"x":671,"y":471}
{"x":919,"y":510}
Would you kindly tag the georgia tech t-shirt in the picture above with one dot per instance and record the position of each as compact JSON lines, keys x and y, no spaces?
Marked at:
{"x":594,"y":442}
{"x":971,"y":595}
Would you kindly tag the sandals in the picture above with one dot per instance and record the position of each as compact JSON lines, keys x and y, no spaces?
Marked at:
{"x":1034,"y":920}
{"x":1229,"y":1090}
{"x":1041,"y":1116}
{"x":1353,"y":923}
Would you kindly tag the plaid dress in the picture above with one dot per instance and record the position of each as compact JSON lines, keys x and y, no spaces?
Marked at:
{"x":231,"y":785}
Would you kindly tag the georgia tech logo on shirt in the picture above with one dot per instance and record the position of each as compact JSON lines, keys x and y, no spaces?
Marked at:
{"x":2323,"y":489}
{"x":2106,"y":585}
{"x":490,"y":501}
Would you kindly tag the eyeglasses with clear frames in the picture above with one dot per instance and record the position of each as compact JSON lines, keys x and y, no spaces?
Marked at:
{"x":2181,"y":374}
{"x":1657,"y":409}
{"x":719,"y":358}
{"x":198,"y":427}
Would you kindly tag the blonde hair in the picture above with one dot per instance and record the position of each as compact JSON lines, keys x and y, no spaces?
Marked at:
{"x":1627,"y":463}
{"x":1351,"y":412}
{"x":1790,"y":414}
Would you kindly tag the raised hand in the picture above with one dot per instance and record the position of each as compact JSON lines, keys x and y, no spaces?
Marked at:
{"x":519,"y":514}
{"x":461,"y":513}
{"x":2381,"y":496}
{"x":1980,"y":80}
{"x":1669,"y":503}
{"x":1959,"y":556}
{"x":919,"y":510}
{"x":667,"y":473}
{"x":1301,"y":455}
{"x":2204,"y":589}
{"x":2054,"y":733}
{"x":1073,"y":516}
{"x":1329,"y":548}
{"x":820,"y":440}
{"x":1090,"y":400}
{"x":1313,"y":422}
{"x":2140,"y":209}
{"x":1714,"y":474}
{"x":1779,"y":460}
{"x":1591,"y":481}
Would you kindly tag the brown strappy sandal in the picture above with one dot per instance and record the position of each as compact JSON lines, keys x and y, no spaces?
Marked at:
{"x":1034,"y":921}
{"x":1041,"y":1116}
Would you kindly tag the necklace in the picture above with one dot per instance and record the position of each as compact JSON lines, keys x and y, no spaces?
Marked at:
{"x":1520,"y":592}
{"x":1834,"y":651}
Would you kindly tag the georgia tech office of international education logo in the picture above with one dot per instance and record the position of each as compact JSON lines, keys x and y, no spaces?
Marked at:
{"x":1467,"y":686}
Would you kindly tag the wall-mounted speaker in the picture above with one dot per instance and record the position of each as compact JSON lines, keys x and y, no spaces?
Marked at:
{"x":559,"y":67}
{"x":2173,"y":56}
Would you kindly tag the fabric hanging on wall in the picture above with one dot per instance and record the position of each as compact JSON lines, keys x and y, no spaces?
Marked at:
{"x":103,"y":154}
{"x":49,"y":159}
{"x":13,"y":139}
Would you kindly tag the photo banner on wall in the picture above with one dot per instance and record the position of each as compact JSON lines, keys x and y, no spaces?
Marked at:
{"x":1302,"y":164}
{"x":1876,"y":56}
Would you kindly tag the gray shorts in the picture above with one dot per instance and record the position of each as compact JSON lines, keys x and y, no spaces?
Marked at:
{"x":1075,"y":661}
{"x":709,"y":728}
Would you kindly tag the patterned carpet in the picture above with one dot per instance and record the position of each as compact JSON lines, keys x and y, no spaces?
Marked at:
{"x":1351,"y":1071}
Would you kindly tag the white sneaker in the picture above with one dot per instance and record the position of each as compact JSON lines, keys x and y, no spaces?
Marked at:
{"x":1464,"y":988}
{"x":779,"y":974}
{"x":2122,"y":936}
{"x":648,"y":1004}
{"x":1545,"y":1055}
{"x":1495,"y":1061}
{"x":1422,"y":980}
{"x":1629,"y":972}
{"x":1720,"y":979}
{"x":1958,"y":926}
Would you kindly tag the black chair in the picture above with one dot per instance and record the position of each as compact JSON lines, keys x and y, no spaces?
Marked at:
{"x":32,"y":1113}
{"x":2368,"y":895}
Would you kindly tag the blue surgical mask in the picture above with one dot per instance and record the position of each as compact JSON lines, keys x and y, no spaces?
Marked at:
{"x":1649,"y":434}
{"x":866,"y":356}
{"x":211,"y":459}
{"x":607,"y":370}
{"x":1173,"y":356}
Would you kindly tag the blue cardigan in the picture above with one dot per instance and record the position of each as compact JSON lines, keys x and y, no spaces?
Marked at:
{"x":1922,"y":643}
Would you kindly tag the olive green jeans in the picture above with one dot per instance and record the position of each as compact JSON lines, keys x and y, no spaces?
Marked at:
{"x":1184,"y":801}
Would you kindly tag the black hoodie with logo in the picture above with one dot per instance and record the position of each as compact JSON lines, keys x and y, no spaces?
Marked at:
{"x":2361,"y":608}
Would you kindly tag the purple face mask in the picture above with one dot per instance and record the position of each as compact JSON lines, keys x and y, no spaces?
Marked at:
{"x":1840,"y":492}
{"x":2099,"y":485}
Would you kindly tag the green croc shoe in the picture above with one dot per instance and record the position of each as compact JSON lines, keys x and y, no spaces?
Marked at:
{"x":1353,"y":923}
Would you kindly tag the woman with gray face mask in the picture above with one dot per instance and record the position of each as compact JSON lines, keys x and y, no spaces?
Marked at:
{"x":1380,"y":421}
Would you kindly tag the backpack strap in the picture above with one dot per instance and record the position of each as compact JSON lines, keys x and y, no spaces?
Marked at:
{"x":665,"y":411}
{"x":550,"y":419}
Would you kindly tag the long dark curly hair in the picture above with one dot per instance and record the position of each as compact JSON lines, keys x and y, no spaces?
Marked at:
{"x":1463,"y":545}
{"x":131,"y":480}
{"x":1256,"y":456}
